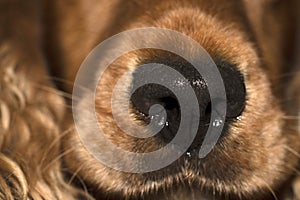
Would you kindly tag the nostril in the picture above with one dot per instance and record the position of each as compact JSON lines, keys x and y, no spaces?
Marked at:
{"x":148,"y":95}
{"x":208,"y":109}
{"x":170,"y":103}
{"x":235,"y":90}
{"x":151,"y":94}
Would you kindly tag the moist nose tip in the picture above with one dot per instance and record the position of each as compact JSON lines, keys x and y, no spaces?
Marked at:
{"x":147,"y":95}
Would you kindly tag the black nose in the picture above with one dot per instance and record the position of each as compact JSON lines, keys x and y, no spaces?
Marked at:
{"x":150,"y":94}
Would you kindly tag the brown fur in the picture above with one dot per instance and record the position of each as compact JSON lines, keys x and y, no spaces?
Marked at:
{"x":257,"y":159}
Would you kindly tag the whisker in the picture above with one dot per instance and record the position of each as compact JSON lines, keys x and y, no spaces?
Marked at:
{"x":60,"y":92}
{"x":67,"y":96}
{"x":291,"y":117}
{"x":53,"y":91}
{"x":284,"y":100}
{"x":75,"y":174}
{"x":66,"y":152}
{"x":269,"y":188}
{"x":60,"y":80}
{"x":83,"y":184}
{"x":68,"y":82}
{"x":57,"y":140}
{"x":293,"y":169}
{"x":285,"y":75}
{"x":292,"y":151}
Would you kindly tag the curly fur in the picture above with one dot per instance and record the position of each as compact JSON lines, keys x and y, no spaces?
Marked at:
{"x":30,"y":143}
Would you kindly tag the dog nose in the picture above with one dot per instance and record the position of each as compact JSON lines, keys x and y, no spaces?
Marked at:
{"x":147,"y":95}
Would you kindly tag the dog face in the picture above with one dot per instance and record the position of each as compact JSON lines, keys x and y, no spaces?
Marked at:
{"x":252,"y":158}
